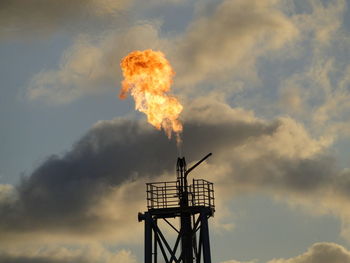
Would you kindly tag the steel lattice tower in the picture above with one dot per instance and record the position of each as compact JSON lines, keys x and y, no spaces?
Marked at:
{"x":193,"y":204}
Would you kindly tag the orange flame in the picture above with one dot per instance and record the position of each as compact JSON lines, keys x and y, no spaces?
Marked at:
{"x":148,"y":77}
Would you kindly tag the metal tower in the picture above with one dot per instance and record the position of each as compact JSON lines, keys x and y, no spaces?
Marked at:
{"x":193,"y":204}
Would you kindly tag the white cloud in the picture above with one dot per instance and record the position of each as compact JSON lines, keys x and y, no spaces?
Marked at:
{"x":317,"y":93}
{"x":320,"y":253}
{"x":240,"y":32}
{"x":93,"y":253}
{"x":324,"y":21}
{"x":235,"y":261}
{"x":7,"y":193}
{"x":91,"y":65}
{"x":228,"y":41}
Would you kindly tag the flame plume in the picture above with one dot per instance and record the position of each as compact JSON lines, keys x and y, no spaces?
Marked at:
{"x":148,"y":77}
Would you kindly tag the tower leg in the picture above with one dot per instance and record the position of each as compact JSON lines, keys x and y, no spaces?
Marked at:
{"x":155,"y":243}
{"x":205,"y":238}
{"x":148,"y":238}
{"x":186,"y":241}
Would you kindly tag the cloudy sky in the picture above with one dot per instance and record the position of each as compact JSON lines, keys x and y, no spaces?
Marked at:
{"x":265,"y":87}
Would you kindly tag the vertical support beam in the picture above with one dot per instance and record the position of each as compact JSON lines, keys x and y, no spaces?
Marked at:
{"x":148,"y":238}
{"x":199,"y":254}
{"x":186,"y":240}
{"x":194,"y":237}
{"x":205,"y":237}
{"x":155,"y":242}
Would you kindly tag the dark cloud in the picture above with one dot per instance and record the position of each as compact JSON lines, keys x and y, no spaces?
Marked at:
{"x":40,"y":16}
{"x":74,"y":194}
{"x":296,"y":175}
{"x":59,"y":194}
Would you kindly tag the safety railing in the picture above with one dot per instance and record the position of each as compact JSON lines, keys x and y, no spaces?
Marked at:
{"x":167,"y":194}
{"x":162,"y":195}
{"x":202,"y":192}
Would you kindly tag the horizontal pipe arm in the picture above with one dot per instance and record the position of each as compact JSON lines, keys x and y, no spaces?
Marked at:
{"x":198,"y":163}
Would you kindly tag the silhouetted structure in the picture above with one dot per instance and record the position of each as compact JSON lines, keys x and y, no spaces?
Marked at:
{"x":193,"y":204}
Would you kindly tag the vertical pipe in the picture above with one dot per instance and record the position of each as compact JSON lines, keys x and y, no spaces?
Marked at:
{"x":205,"y":237}
{"x":148,"y":238}
{"x":185,"y":221}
